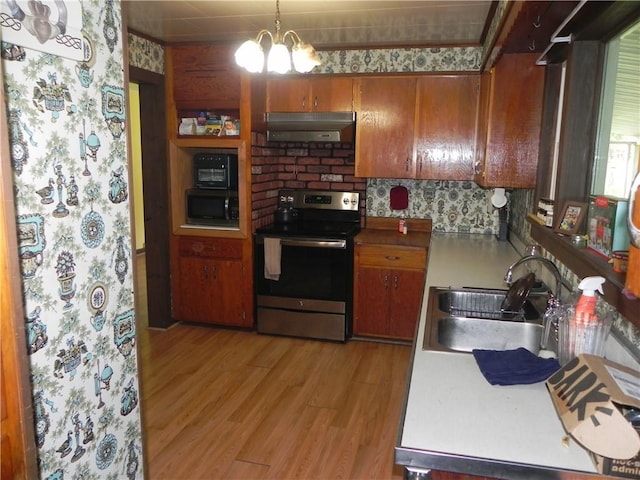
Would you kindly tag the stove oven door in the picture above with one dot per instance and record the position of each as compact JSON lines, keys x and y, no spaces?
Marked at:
{"x":313,"y":296}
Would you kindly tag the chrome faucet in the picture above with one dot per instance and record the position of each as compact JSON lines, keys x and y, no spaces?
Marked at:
{"x":508,"y":278}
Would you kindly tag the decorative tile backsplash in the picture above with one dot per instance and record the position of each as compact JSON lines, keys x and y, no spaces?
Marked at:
{"x":460,"y":207}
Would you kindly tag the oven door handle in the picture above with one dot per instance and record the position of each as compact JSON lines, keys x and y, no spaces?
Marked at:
{"x":311,"y":242}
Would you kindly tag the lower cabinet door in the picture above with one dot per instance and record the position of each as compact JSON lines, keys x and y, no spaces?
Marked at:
{"x":406,"y":302}
{"x":228,"y":283}
{"x":387,"y":302}
{"x":209,"y":291}
{"x":191,"y":287}
{"x":371,"y":309}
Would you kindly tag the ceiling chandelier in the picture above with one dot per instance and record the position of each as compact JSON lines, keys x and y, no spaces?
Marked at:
{"x":251,"y":56}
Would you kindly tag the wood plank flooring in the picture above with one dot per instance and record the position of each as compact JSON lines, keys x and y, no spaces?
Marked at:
{"x":225,"y":404}
{"x":228,"y":404}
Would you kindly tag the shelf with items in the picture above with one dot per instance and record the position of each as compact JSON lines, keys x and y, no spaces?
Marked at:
{"x":181,"y":155}
{"x":584,"y":263}
{"x":216,"y":123}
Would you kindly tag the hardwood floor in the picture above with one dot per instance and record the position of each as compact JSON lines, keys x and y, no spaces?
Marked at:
{"x":226,"y":404}
{"x":230,"y":404}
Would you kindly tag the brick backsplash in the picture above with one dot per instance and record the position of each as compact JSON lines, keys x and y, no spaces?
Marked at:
{"x":319,"y":166}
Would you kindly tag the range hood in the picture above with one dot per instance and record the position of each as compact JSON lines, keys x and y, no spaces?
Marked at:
{"x":311,"y":127}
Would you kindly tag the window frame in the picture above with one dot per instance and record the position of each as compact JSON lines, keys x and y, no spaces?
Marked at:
{"x":585,"y":59}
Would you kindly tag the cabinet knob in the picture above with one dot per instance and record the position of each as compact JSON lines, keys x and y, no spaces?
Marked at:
{"x":386,"y":282}
{"x":477,"y":168}
{"x":395,"y":282}
{"x":392,"y":257}
{"x":304,"y":101}
{"x":315,"y":102}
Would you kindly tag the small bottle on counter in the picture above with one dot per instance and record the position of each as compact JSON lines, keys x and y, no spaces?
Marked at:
{"x":402,"y":226}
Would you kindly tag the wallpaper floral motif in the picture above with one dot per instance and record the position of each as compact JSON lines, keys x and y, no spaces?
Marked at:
{"x":445,"y":59}
{"x":454,"y":207}
{"x":67,"y":133}
{"x":145,"y":54}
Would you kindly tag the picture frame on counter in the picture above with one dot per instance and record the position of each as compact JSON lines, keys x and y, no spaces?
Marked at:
{"x":571,"y":218}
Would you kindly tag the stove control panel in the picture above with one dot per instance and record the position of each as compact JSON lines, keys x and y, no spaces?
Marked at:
{"x":319,"y":199}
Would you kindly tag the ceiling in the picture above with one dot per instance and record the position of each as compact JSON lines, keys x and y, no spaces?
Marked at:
{"x":326,"y":24}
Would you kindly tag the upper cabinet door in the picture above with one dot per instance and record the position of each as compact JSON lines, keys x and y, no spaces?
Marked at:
{"x":385,"y":109}
{"x":328,"y":94}
{"x":333,"y":94}
{"x":288,"y":95}
{"x":446,"y":126}
{"x":513,"y":123}
{"x":202,"y":76}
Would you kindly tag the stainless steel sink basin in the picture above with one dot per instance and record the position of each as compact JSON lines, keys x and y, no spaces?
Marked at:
{"x":465,"y":334}
{"x":463,"y":319}
{"x":478,"y":303}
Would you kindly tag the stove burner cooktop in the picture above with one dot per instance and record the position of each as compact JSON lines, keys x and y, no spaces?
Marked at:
{"x":320,"y":214}
{"x":311,"y":229}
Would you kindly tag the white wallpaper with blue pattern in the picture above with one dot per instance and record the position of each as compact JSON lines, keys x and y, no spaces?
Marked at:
{"x":458,"y":207}
{"x":67,"y":133}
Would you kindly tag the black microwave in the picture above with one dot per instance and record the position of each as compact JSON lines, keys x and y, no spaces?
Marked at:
{"x":215,"y":171}
{"x":212,"y":207}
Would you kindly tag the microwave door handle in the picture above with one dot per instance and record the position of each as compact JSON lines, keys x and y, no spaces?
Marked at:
{"x":227,"y":215}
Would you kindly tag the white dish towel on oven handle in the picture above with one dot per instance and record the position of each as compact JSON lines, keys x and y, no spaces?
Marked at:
{"x":272,"y":253}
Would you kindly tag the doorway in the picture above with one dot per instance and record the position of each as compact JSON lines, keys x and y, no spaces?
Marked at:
{"x":156,"y":196}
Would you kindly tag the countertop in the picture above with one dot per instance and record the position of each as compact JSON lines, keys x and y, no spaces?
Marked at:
{"x":454,"y":419}
{"x":393,"y":237}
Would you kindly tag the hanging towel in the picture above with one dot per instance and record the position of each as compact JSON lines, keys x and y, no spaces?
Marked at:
{"x":399,"y":198}
{"x":272,"y":251}
{"x":514,"y":367}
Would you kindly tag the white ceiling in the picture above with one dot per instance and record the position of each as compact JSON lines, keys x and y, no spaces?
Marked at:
{"x":326,"y":24}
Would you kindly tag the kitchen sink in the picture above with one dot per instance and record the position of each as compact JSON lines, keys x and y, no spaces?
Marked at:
{"x":463,"y":319}
{"x":464,"y":334}
{"x":478,"y":303}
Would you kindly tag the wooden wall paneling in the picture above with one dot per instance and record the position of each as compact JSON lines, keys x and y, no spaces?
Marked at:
{"x":579,"y":121}
{"x":18,"y":453}
{"x":548,"y":130}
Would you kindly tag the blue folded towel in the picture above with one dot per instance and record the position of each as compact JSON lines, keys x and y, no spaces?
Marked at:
{"x":514,"y":367}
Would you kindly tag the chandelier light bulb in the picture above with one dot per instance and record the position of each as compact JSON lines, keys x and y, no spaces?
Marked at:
{"x":278,"y":60}
{"x":250,"y":55}
{"x":305,"y":57}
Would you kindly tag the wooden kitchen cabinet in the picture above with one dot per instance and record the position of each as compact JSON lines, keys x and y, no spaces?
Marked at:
{"x":509,"y":122}
{"x":445,"y":131}
{"x":211,"y":277}
{"x":208,"y":281}
{"x":416,"y":127}
{"x":322,"y":94}
{"x":204,"y":75}
{"x":388,"y":286}
{"x":385,"y":126}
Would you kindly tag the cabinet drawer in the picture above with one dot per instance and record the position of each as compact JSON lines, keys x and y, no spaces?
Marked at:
{"x":210,"y":248}
{"x":392,"y":257}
